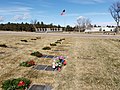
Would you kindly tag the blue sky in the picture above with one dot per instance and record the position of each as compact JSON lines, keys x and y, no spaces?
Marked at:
{"x":49,"y":11}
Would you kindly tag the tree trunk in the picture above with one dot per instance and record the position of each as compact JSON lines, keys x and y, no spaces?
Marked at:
{"x":117,"y":29}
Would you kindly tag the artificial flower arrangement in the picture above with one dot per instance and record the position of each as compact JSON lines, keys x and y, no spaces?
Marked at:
{"x":46,"y":48}
{"x":16,"y":84}
{"x":3,"y":45}
{"x":37,"y":54}
{"x":38,"y":37}
{"x":58,"y":42}
{"x":27,"y":63}
{"x":58,"y":62}
{"x":53,"y":44}
{"x":63,"y":39}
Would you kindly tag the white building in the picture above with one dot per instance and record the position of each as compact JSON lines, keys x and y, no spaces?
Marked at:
{"x":41,"y":30}
{"x":101,"y":29}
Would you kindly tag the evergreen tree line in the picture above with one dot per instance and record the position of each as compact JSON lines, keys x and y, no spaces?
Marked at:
{"x":27,"y":26}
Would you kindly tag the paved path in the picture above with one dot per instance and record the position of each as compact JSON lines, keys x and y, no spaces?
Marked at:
{"x":82,"y":35}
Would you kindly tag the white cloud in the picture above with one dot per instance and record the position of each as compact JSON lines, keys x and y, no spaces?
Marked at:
{"x":25,"y":16}
{"x":86,"y":14}
{"x":105,"y":23}
{"x":2,"y":18}
{"x":86,"y":1}
{"x":71,"y":14}
{"x":16,"y":3}
{"x":98,"y":1}
{"x":96,"y":13}
{"x":15,"y":10}
{"x":80,"y":17}
{"x":46,"y":4}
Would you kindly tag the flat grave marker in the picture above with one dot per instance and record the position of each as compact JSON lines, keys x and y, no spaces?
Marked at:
{"x":44,"y":67}
{"x":22,"y":44}
{"x":59,"y":50}
{"x":40,"y":67}
{"x":49,"y":68}
{"x":40,"y":87}
{"x":48,"y":56}
{"x":44,"y":56}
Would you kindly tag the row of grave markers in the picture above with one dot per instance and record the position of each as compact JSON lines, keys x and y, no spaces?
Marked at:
{"x":42,"y":67}
{"x":46,"y":68}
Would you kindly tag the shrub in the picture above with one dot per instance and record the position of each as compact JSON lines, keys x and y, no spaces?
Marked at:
{"x":53,"y":44}
{"x":3,"y":45}
{"x":33,"y":39}
{"x":63,"y":39}
{"x":24,"y":41}
{"x":16,"y":84}
{"x":27,"y":63}
{"x":38,"y":37}
{"x":46,"y":48}
{"x":37,"y":54}
{"x":58,"y":42}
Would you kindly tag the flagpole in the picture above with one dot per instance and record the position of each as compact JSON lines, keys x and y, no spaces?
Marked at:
{"x":63,"y":18}
{"x":64,"y":23}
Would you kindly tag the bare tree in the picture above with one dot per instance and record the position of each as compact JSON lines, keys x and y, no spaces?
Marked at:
{"x":33,"y":23}
{"x":115,"y":13}
{"x":88,"y":24}
{"x":2,"y":18}
{"x":83,"y":23}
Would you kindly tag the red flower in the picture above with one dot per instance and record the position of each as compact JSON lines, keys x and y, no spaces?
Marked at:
{"x":59,"y":69}
{"x":64,"y":62}
{"x":31,"y":62}
{"x":21,"y":83}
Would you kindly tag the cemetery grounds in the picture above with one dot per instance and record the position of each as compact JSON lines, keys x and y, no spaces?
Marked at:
{"x":92,"y":63}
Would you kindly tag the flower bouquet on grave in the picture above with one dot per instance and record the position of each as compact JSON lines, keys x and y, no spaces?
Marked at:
{"x":16,"y":84}
{"x":63,"y":39}
{"x":27,"y":63}
{"x":53,"y":44}
{"x":62,"y":60}
{"x":58,"y":42}
{"x":58,"y":62}
{"x":46,"y":48}
{"x":38,"y":37}
{"x":3,"y":45}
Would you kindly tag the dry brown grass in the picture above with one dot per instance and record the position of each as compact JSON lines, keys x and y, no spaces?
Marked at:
{"x":92,"y":63}
{"x":18,"y":52}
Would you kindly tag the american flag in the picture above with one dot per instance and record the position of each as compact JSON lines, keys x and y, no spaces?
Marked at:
{"x":63,"y":12}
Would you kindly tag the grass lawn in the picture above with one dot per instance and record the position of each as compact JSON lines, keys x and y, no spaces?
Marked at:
{"x":92,"y":63}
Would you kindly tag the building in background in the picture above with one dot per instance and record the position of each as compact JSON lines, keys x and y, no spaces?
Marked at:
{"x":47,"y":30}
{"x":101,"y":29}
